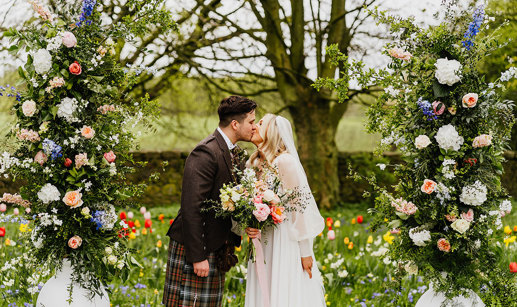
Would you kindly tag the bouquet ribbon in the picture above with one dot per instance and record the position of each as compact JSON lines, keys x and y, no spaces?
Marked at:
{"x":261,"y":271}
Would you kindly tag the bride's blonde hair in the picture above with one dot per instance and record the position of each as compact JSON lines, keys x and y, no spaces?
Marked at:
{"x":272,"y":145}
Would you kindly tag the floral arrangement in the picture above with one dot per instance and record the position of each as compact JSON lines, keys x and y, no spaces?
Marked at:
{"x":72,"y":135}
{"x":452,"y":128}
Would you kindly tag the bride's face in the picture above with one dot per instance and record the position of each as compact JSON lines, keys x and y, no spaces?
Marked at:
{"x":257,"y":136}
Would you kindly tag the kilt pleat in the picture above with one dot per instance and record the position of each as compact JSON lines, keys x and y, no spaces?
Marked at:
{"x":183,"y":288}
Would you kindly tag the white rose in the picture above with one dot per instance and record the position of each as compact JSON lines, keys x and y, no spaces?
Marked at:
{"x":269,"y":195}
{"x":112,"y":259}
{"x":422,"y":141}
{"x":29,"y":108}
{"x":108,"y":250}
{"x":236,"y":196}
{"x":120,"y":265}
{"x":460,"y":225}
{"x":42,"y":61}
{"x":411,"y":268}
{"x":85,"y":211}
{"x":446,"y":71}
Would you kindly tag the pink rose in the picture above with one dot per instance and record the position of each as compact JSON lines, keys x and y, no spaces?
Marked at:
{"x":110,"y":157}
{"x":468,"y":216}
{"x":40,"y":158}
{"x":75,"y":68}
{"x":258,"y":199}
{"x":428,"y":186}
{"x":87,"y":132}
{"x":400,"y":54}
{"x":262,"y":212}
{"x":143,"y":210}
{"x":470,"y":100}
{"x":482,"y":141}
{"x":438,"y":107}
{"x":277,"y":213}
{"x":75,"y":242}
{"x":3,"y":207}
{"x":69,"y":39}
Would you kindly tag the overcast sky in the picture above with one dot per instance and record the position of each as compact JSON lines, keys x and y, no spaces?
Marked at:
{"x":422,"y":10}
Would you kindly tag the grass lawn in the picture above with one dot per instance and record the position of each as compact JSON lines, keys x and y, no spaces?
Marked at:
{"x":355,"y":272}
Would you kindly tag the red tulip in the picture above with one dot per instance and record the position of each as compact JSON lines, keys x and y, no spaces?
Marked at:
{"x":148,"y":223}
{"x":170,"y":222}
{"x":133,"y":230}
{"x":360,"y":219}
{"x":2,"y":231}
{"x":68,"y":162}
{"x":330,"y":221}
{"x":513,"y":267}
{"x":123,"y":215}
{"x":130,"y":224}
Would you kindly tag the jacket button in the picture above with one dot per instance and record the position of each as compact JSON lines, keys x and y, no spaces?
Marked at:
{"x":204,"y":247}
{"x":203,"y":223}
{"x":203,"y":235}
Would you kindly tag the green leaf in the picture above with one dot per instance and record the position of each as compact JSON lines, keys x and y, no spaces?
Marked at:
{"x":395,"y":224}
{"x":97,"y":78}
{"x":133,"y":261}
{"x":440,"y":90}
{"x":402,"y":215}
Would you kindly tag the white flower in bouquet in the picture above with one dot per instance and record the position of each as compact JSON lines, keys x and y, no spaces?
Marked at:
{"x":54,"y":43}
{"x":112,"y":259}
{"x":269,"y":195}
{"x":49,"y":193}
{"x":228,"y":206}
{"x":411,"y":268}
{"x":422,"y":141}
{"x":67,"y":108}
{"x":448,"y":138}
{"x":120,"y":265}
{"x":29,"y":108}
{"x":460,"y":225}
{"x":447,"y":71}
{"x":446,"y":168}
{"x":108,"y":250}
{"x":42,"y":61}
{"x":474,"y":194}
{"x":506,"y":206}
{"x":236,"y":196}
{"x":419,"y":237}
{"x":113,"y":169}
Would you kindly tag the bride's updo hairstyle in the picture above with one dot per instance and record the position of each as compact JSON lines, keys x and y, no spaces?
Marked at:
{"x":272,"y":145}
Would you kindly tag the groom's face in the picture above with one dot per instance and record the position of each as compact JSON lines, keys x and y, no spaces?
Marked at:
{"x":247,"y":127}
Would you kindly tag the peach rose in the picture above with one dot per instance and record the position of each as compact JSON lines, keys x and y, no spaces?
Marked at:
{"x":29,"y":108}
{"x":470,"y":100}
{"x":87,"y":132}
{"x":75,"y":242}
{"x":444,"y":245}
{"x":40,"y":158}
{"x":482,"y":141}
{"x":277,"y":213}
{"x":75,"y":68}
{"x":110,"y":157}
{"x":400,"y":54}
{"x":80,"y":160}
{"x":73,"y":199}
{"x":428,"y":186}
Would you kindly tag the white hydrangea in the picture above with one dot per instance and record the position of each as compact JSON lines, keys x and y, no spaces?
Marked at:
{"x":49,"y":193}
{"x":447,"y":71}
{"x":419,"y":237}
{"x":474,"y":194}
{"x":42,"y":61}
{"x":448,"y":138}
{"x":67,"y":108}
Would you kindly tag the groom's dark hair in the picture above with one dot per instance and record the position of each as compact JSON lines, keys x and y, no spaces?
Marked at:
{"x":234,"y":108}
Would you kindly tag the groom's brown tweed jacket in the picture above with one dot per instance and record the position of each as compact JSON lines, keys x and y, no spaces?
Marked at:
{"x":207,"y":168}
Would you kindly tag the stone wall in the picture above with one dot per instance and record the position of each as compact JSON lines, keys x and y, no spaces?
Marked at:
{"x":168,"y":189}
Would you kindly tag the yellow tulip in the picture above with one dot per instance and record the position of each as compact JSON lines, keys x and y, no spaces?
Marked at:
{"x":141,"y":274}
{"x":509,"y":240}
{"x":351,"y":245}
{"x":144,"y":231}
{"x":238,"y":249}
{"x":137,"y":224}
{"x":7,"y":242}
{"x":159,"y":243}
{"x":370,"y":240}
{"x":337,"y":224}
{"x":323,"y":268}
{"x":353,"y":221}
{"x":507,"y":230}
{"x":132,"y":236}
{"x":346,"y":240}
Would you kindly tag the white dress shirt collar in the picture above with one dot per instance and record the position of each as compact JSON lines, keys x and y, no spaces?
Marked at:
{"x":226,"y":139}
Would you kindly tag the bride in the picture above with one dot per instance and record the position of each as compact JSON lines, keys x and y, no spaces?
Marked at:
{"x":292,"y":277}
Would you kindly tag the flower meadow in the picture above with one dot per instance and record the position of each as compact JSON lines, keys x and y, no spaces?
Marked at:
{"x":354,"y":261}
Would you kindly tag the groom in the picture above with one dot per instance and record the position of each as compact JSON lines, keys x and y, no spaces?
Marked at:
{"x":193,"y":277}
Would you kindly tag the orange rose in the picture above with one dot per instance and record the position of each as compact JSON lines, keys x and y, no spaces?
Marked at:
{"x":87,"y":132}
{"x":75,"y":242}
{"x":470,"y":100}
{"x":75,"y":68}
{"x":428,"y":186}
{"x":73,"y":199}
{"x":444,"y":245}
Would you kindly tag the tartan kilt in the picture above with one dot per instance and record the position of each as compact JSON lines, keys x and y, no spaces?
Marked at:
{"x":183,"y":288}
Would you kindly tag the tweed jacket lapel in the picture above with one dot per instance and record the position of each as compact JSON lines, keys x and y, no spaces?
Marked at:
{"x":225,"y":152}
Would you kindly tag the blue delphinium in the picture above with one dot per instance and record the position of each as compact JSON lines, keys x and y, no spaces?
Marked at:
{"x":426,"y":108}
{"x":474,"y":27}
{"x":98,"y":219}
{"x":50,"y":148}
{"x":88,"y":6}
{"x":10,"y":92}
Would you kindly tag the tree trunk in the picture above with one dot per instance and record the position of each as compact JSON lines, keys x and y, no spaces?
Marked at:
{"x":316,"y":131}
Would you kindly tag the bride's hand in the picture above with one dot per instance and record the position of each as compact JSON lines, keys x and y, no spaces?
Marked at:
{"x":307,"y":265}
{"x":252,"y":232}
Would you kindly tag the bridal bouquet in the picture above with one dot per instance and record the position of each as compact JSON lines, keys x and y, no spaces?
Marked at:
{"x":72,"y":136}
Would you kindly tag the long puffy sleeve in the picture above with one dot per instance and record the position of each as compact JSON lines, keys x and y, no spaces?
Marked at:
{"x":305,"y":220}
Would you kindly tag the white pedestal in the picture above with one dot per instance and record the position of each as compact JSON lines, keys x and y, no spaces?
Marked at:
{"x":433,"y":299}
{"x":55,"y":292}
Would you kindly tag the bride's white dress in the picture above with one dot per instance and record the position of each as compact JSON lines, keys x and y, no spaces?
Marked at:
{"x":284,"y":245}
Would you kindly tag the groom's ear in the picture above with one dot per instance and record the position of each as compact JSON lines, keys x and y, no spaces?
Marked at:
{"x":234,"y":124}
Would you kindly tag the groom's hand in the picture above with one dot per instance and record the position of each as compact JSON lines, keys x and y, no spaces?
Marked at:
{"x":201,"y":268}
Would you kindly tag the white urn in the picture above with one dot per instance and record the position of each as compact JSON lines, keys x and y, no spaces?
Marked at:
{"x":55,"y":292}
{"x":435,"y":299}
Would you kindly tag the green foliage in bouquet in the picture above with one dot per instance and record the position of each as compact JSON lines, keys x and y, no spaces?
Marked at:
{"x":452,"y":128}
{"x":73,"y":135}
